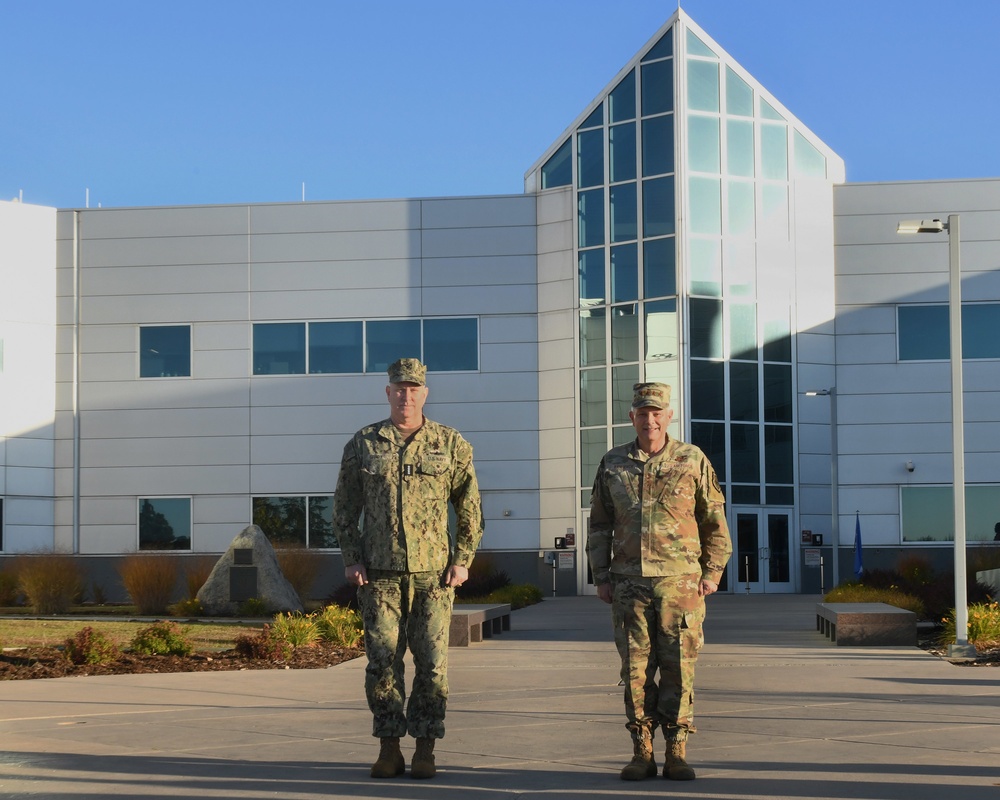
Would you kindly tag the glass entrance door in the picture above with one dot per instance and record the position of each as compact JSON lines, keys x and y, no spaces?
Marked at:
{"x":762,"y":558}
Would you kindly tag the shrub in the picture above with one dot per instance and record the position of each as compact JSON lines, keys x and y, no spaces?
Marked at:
{"x":149,"y":580}
{"x":10,"y":595}
{"x":982,"y":558}
{"x":914,"y":570}
{"x":90,"y":647}
{"x":340,"y":626}
{"x":484,"y":578}
{"x":254,"y":607}
{"x":298,"y":630}
{"x":984,"y":626}
{"x":300,"y":568}
{"x":518,"y":595}
{"x":345,"y":596}
{"x":859,"y":593}
{"x":262,"y":646}
{"x":162,"y":639}
{"x":196,"y":572}
{"x":191,"y":607}
{"x":97,"y":594}
{"x":50,"y":581}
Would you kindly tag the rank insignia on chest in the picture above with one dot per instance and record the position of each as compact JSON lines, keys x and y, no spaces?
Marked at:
{"x":407,"y":470}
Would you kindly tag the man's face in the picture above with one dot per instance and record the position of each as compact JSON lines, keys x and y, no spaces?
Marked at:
{"x":406,"y":403}
{"x":651,"y":425}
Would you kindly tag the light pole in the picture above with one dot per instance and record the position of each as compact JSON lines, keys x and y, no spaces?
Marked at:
{"x":961,"y":648}
{"x":834,"y":481}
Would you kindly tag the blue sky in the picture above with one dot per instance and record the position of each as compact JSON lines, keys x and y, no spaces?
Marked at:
{"x":218,"y":101}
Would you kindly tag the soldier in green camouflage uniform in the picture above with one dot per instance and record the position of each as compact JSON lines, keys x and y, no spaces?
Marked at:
{"x":397,"y":477}
{"x":658,"y":544}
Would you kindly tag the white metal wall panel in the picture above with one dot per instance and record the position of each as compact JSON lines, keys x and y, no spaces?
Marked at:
{"x":508,"y":328}
{"x":478,"y":212}
{"x":364,"y":215}
{"x":479,"y":270}
{"x":371,"y":275}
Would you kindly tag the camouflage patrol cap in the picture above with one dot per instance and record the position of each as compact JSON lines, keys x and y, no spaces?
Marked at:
{"x":655,"y":395}
{"x":407,"y":370}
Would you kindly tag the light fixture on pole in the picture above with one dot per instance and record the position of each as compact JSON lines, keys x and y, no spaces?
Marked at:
{"x":961,"y":648}
{"x":834,"y":481}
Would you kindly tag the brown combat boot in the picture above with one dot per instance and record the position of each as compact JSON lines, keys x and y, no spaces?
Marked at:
{"x":642,"y":765}
{"x":674,"y":765}
{"x":390,"y":762}
{"x":422,"y":765}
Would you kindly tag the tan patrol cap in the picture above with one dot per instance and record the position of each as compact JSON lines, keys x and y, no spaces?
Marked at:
{"x":407,"y":370}
{"x":655,"y":395}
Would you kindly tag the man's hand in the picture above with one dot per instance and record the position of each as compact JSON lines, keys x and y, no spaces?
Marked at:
{"x":605,"y":592}
{"x":707,"y":587}
{"x":356,"y":575}
{"x":455,"y":576}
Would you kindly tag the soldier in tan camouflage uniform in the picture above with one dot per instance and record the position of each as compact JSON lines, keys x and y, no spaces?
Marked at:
{"x":658,"y":544}
{"x":398,"y":476}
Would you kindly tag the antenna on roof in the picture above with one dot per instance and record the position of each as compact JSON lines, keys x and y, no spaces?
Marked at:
{"x":303,"y":191}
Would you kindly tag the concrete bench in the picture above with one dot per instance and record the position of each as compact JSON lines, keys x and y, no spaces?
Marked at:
{"x":866,"y":624}
{"x":473,"y":623}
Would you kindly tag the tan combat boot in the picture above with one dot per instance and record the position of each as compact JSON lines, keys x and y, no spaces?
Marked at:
{"x":674,"y":766}
{"x":642,"y":765}
{"x":390,"y":762}
{"x":422,"y":765}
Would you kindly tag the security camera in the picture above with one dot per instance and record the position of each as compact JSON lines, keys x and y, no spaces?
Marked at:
{"x":909,"y":466}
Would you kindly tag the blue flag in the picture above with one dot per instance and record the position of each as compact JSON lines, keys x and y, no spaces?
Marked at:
{"x":859,"y":566}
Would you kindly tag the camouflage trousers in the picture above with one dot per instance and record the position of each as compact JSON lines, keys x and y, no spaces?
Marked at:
{"x":403,"y":610}
{"x":658,"y":628}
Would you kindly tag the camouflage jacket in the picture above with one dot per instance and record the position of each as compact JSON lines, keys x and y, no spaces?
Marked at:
{"x":657,"y":516}
{"x":399,"y":492}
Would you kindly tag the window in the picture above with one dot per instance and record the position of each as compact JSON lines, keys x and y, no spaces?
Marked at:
{"x":389,"y":340}
{"x":279,"y":348}
{"x":164,"y":523}
{"x":164,"y":351}
{"x":451,"y":345}
{"x":924,"y":333}
{"x":336,"y":347}
{"x":297,"y":521}
{"x":558,"y":170}
{"x":927,"y":513}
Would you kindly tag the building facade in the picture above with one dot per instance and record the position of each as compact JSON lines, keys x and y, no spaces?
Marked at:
{"x":172,"y":374}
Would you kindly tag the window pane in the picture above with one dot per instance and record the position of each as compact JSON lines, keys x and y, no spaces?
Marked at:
{"x":745,"y":447}
{"x":778,"y":541}
{"x":621,"y":147}
{"x":778,"y":456}
{"x":624,"y":214}
{"x":809,"y":162}
{"x":659,"y":268}
{"x":780,"y":495}
{"x":594,"y":118}
{"x":165,"y":523}
{"x":703,"y":144}
{"x":451,"y":345}
{"x":980,"y":323}
{"x":389,"y":340}
{"x":711,"y":438}
{"x":590,"y":158}
{"x":703,"y":85}
{"x":743,"y":392}
{"x":622,"y":381}
{"x":747,"y":496}
{"x":625,"y":333}
{"x":164,"y":351}
{"x":661,"y":329}
{"x":336,"y":347}
{"x":321,"y":522}
{"x":924,"y":333}
{"x":706,"y":205}
{"x":282,"y":519}
{"x":739,"y":148}
{"x":739,"y":95}
{"x":777,"y":335}
{"x":740,"y":267}
{"x":663,"y":48}
{"x":658,"y":218}
{"x":590,"y":205}
{"x":558,"y":170}
{"x":706,"y":267}
{"x":743,"y":331}
{"x":624,"y":273}
{"x":593,"y":446}
{"x":927,"y":513}
{"x":622,"y":435}
{"x":593,"y":324}
{"x":696,"y":47}
{"x":593,"y":397}
{"x":741,"y":208}
{"x":657,"y":145}
{"x":767,"y":111}
{"x":708,"y":396}
{"x":777,"y":394}
{"x":279,"y":348}
{"x":706,"y":328}
{"x":657,"y":88}
{"x":621,"y":101}
{"x":592,"y":277}
{"x":774,"y":152}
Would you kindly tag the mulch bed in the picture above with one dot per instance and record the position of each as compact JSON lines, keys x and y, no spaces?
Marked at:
{"x":49,"y":662}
